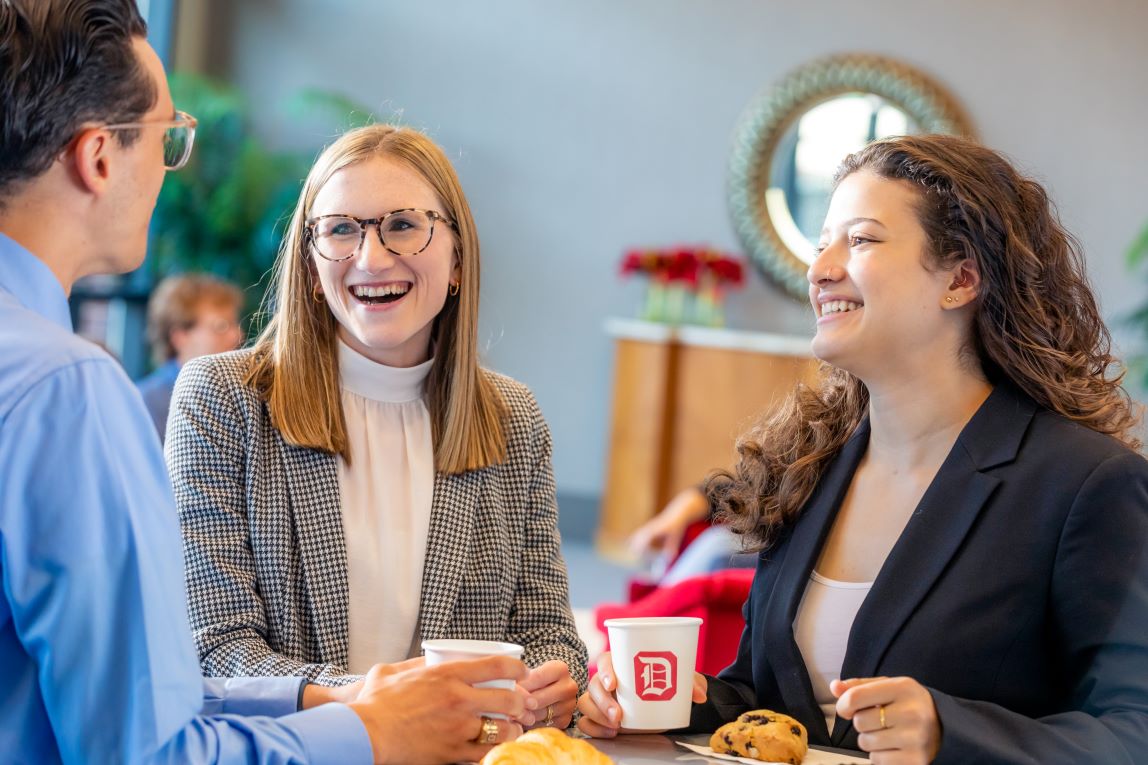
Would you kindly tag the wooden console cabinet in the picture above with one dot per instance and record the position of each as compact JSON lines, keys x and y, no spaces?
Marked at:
{"x":682,"y":396}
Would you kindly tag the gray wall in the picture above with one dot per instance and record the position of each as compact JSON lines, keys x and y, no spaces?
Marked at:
{"x":583,"y":128}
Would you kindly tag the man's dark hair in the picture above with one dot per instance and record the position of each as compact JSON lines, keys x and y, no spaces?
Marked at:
{"x":64,"y":64}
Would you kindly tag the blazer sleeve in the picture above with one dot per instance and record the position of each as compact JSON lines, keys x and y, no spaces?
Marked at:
{"x":1100,"y":623}
{"x":540,"y":619}
{"x":206,"y":449}
{"x":731,"y":692}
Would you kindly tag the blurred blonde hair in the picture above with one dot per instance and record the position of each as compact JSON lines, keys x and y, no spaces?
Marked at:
{"x":295,"y":364}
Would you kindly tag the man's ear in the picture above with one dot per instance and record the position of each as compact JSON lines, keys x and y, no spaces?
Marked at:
{"x":91,"y":158}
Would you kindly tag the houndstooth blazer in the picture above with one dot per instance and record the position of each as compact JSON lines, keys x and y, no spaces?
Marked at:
{"x":265,"y":558}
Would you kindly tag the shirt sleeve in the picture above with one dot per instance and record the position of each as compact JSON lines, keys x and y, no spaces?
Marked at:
{"x":93,"y":575}
{"x":269,"y":696}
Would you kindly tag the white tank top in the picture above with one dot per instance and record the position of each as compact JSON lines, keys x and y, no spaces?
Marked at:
{"x":821,"y":630}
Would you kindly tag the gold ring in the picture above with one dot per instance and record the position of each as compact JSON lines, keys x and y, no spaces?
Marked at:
{"x":549,"y":716}
{"x":881,"y":712}
{"x":488,"y":733}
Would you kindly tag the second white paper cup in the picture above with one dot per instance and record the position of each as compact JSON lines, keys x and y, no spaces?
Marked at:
{"x":654,"y":665}
{"x":443,"y":651}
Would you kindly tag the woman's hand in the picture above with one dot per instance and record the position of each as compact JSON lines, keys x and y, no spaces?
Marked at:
{"x":552,"y":694}
{"x":314,"y":695}
{"x":601,"y":715}
{"x":894,"y":716}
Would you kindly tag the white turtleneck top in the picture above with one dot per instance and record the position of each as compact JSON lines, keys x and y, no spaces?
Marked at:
{"x":386,"y":496}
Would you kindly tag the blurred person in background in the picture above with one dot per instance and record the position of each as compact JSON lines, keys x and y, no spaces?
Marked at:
{"x":189,"y":315}
{"x":658,"y":542}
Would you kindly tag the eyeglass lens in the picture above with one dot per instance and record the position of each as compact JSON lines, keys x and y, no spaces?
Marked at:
{"x":177,"y":142}
{"x":406,"y":232}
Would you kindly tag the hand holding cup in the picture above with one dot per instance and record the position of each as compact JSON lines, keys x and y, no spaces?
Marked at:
{"x":434,"y":714}
{"x":646,"y":693}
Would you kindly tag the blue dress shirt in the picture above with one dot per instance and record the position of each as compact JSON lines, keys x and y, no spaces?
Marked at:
{"x":96,"y":657}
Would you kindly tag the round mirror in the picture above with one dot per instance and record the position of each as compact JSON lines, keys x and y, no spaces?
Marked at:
{"x":791,"y":140}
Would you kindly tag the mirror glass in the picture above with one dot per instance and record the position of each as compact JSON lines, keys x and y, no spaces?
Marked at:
{"x":802,"y":167}
{"x":791,"y":139}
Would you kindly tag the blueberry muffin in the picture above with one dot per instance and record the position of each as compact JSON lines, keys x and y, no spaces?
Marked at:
{"x":763,"y":735}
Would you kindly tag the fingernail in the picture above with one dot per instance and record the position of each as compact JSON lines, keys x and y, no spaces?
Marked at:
{"x":613,"y":714}
{"x":607,"y":681}
{"x":531,"y":703}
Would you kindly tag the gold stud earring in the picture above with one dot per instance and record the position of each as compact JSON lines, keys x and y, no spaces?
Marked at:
{"x":454,"y":287}
{"x":950,"y":299}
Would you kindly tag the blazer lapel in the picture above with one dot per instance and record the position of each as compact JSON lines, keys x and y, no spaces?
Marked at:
{"x":313,"y":485}
{"x":455,"y":500}
{"x":948,"y":509}
{"x":801,"y":552}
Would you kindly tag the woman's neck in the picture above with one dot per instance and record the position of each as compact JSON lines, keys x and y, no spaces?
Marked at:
{"x":915,"y":421}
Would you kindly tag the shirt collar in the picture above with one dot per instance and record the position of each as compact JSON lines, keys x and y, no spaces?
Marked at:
{"x":378,"y":382}
{"x":32,"y":283}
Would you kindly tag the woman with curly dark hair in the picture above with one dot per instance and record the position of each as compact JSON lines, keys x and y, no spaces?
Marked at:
{"x":953,"y":526}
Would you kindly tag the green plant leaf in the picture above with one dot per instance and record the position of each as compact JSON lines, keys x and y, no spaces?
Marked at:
{"x":1138,"y":251}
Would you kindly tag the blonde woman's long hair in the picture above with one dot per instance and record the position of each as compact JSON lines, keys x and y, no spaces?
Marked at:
{"x":295,"y":359}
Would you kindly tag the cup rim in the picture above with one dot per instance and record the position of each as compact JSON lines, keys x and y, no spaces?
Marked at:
{"x":648,"y":622}
{"x":473,"y":647}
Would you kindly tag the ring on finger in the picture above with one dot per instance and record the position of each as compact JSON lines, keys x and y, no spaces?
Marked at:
{"x":549,"y":716}
{"x":488,"y":733}
{"x":881,"y":716}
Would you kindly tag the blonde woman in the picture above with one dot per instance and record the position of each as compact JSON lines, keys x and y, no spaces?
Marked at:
{"x":355,"y":483}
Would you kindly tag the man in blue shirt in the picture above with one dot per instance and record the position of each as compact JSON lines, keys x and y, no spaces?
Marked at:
{"x":95,"y":649}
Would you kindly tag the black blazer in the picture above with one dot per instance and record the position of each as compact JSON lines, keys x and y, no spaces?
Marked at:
{"x":1017,"y":594}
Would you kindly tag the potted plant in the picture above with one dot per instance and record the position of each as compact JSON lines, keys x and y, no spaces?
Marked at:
{"x":1137,"y":257}
{"x":686,"y":284}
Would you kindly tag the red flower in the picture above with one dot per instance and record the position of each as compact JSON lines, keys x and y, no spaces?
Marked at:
{"x":632,"y":262}
{"x":685,"y":265}
{"x":726,"y":270}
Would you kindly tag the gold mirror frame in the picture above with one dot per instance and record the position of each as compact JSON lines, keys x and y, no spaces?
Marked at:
{"x":765,"y":122}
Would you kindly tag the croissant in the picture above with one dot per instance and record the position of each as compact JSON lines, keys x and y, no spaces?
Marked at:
{"x":545,"y":746}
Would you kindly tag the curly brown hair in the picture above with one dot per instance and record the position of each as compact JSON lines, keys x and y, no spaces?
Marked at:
{"x":1036,"y":324}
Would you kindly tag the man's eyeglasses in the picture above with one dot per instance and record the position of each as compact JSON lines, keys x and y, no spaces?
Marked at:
{"x":178,"y":137}
{"x":403,"y":232}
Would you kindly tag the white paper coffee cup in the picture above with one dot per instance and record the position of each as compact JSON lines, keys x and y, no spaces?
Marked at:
{"x":446,"y":650}
{"x":654,"y":665}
